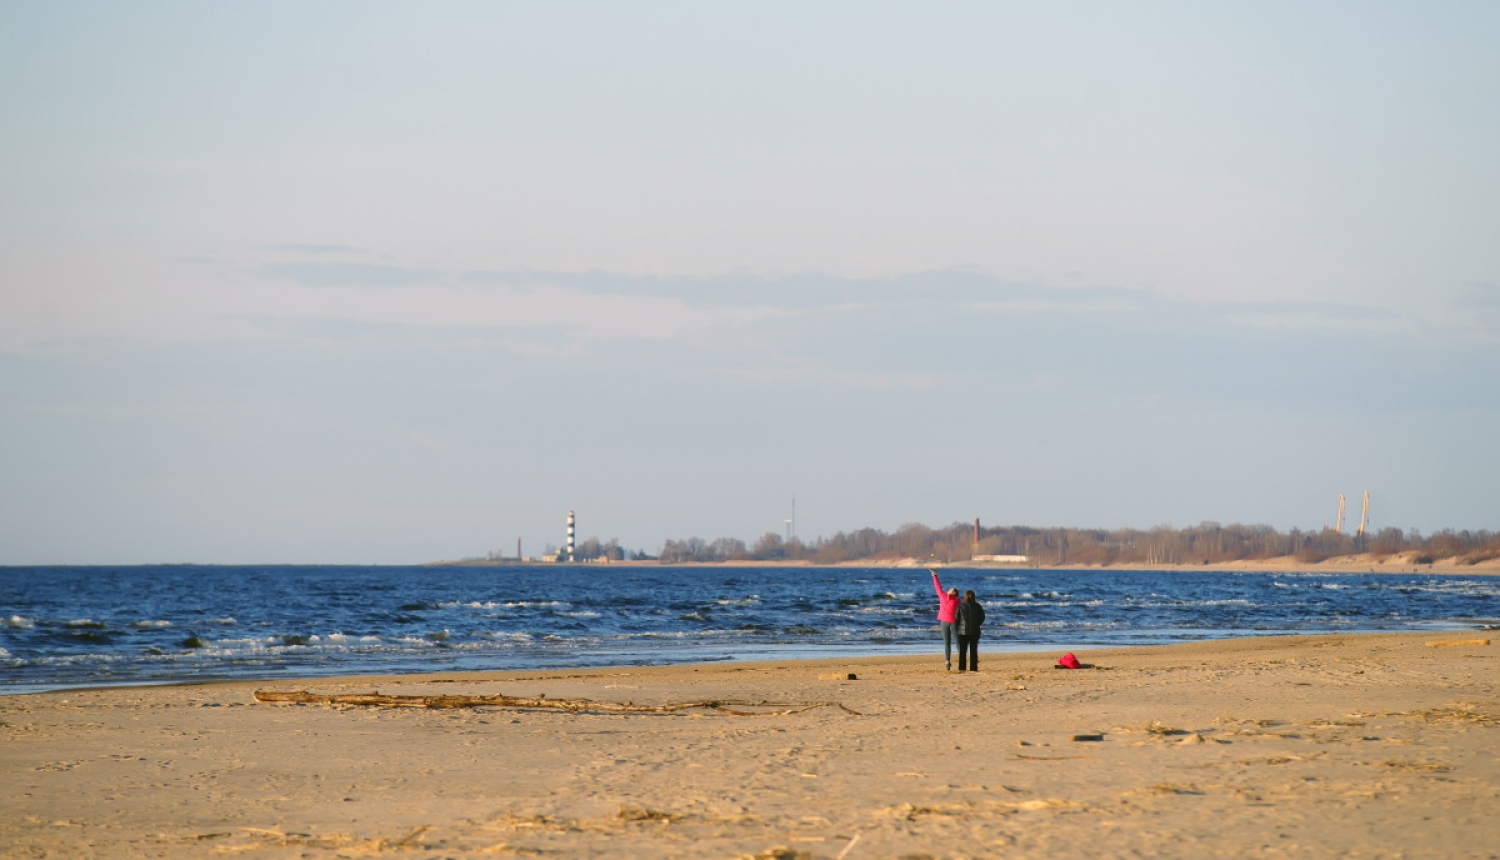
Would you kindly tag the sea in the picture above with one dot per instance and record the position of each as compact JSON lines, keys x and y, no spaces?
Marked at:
{"x":66,"y":627}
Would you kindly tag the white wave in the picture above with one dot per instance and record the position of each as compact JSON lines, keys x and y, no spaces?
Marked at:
{"x":495,"y":604}
{"x":237,"y":643}
{"x":73,"y":659}
{"x":226,"y":620}
{"x":508,"y":636}
{"x":580,"y":613}
{"x":19,"y":622}
{"x":151,"y":624}
{"x":1461,"y":587}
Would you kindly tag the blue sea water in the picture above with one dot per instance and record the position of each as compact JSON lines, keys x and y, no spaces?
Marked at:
{"x":85,"y":626}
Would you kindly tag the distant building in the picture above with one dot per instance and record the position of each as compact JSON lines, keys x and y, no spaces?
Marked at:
{"x":1002,"y":559}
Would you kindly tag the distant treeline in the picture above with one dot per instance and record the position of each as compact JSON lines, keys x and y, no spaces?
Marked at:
{"x":1206,"y":543}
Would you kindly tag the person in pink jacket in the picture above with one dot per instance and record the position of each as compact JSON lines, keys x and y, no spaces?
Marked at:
{"x":947,"y":613}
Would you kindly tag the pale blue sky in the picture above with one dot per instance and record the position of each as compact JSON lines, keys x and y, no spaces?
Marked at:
{"x":379,"y":282}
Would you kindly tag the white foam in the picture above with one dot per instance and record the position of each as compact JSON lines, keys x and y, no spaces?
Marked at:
{"x":507,"y":636}
{"x":151,"y":624}
{"x":18,"y":622}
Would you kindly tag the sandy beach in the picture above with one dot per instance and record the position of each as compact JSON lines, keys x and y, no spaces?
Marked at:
{"x":1316,"y":746}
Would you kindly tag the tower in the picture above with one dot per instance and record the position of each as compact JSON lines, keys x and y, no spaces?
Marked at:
{"x":1340,"y":527}
{"x":571,"y":523}
{"x":1364,"y":516}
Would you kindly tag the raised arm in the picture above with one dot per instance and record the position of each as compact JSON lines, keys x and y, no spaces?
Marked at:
{"x":937,"y":584}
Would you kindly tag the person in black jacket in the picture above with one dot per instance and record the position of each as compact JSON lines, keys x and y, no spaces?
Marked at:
{"x":970,"y":619}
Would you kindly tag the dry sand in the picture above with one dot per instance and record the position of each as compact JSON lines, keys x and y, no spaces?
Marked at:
{"x":1321,"y":746}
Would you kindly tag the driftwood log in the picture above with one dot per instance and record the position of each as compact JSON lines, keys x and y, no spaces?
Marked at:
{"x":381,"y":700}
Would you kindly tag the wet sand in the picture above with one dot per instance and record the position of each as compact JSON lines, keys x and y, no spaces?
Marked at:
{"x":1314,"y":746}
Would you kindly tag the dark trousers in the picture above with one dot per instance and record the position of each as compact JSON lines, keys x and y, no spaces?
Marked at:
{"x":968,"y":646}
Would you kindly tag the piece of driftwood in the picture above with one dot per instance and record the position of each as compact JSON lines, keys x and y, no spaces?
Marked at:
{"x":381,"y":700}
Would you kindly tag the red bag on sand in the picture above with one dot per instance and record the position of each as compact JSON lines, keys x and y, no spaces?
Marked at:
{"x":1068,"y":661}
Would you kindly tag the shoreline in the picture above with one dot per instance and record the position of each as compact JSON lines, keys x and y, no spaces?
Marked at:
{"x":1315,"y":745}
{"x":1281,"y":564}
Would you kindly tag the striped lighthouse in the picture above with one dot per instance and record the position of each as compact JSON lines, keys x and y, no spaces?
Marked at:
{"x":571,"y":523}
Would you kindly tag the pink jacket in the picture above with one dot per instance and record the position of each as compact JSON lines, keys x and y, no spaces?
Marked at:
{"x":947,"y":606}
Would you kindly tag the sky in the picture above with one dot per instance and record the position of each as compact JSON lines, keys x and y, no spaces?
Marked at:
{"x":373,"y":282}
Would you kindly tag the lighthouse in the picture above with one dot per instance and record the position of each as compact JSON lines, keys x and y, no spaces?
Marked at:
{"x":572,"y":522}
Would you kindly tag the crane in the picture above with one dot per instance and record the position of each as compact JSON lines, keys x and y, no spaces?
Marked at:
{"x":1364,"y":516}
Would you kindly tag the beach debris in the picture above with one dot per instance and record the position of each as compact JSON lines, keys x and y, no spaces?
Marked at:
{"x":838,"y":676}
{"x":1458,"y":713}
{"x":1175,"y":788}
{"x":912,"y":811}
{"x":849,"y":847}
{"x":336,"y":841}
{"x":778,"y":852}
{"x":1159,"y":728}
{"x":1068,"y":661}
{"x":1416,"y":766}
{"x":734,"y":707}
{"x":631,"y":813}
{"x":1455,"y":643}
{"x":1088,"y":737}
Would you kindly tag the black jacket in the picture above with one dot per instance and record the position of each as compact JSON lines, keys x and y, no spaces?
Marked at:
{"x":970,"y":618}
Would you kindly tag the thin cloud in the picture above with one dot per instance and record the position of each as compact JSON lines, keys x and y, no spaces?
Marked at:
{"x":304,"y":248}
{"x":802,"y":291}
{"x":1480,"y":297}
{"x":329,"y":274}
{"x":1326,"y":310}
